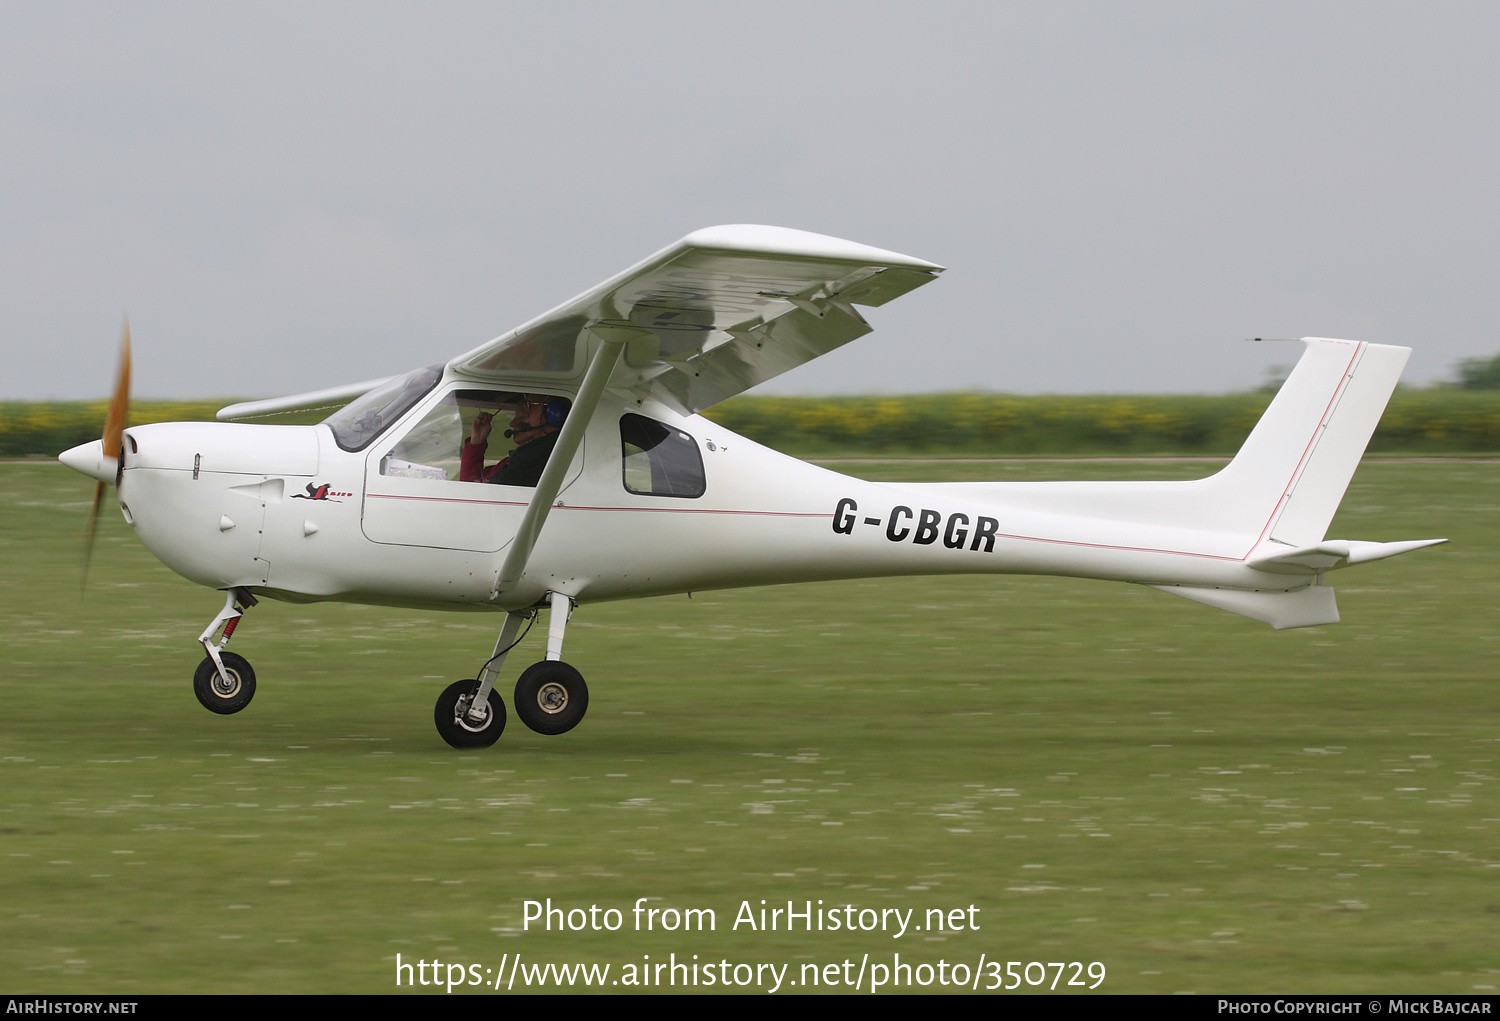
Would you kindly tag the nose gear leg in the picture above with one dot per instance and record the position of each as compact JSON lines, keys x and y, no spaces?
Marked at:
{"x":229,"y":619}
{"x":225,"y":682}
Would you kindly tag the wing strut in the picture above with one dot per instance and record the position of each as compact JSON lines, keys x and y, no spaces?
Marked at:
{"x":614,"y":338}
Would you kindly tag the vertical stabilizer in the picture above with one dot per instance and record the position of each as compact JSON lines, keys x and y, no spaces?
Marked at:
{"x":1276,"y":497}
{"x":1330,"y":464}
{"x":1311,"y":438}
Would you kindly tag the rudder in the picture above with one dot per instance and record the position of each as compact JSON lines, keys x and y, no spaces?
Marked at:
{"x":1310,"y":440}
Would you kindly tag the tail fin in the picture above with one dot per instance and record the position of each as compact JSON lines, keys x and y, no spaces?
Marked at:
{"x":1284,"y":485}
{"x":1269,"y":508}
{"x":1312,"y":436}
{"x":1309,"y":442}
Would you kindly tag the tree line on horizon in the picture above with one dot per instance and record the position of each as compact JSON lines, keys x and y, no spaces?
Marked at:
{"x":1461,"y":418}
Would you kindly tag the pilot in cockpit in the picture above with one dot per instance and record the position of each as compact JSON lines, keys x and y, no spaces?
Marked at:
{"x":534,"y":428}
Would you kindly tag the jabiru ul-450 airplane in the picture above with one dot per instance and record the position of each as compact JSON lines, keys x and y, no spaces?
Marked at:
{"x":613,"y":486}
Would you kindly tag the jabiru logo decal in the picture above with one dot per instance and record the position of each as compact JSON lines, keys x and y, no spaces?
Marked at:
{"x":322,"y":491}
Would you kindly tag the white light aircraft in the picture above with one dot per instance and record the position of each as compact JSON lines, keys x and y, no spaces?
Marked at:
{"x":617,"y":488}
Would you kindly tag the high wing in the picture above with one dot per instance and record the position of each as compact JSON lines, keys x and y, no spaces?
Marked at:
{"x":723,"y":309}
{"x":720,"y":311}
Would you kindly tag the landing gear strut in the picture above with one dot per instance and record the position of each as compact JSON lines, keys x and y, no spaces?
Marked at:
{"x":224,"y":682}
{"x":468,"y":714}
{"x":551,"y":697}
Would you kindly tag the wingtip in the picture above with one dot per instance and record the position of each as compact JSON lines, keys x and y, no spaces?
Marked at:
{"x":763,"y":238}
{"x":1363,"y":552}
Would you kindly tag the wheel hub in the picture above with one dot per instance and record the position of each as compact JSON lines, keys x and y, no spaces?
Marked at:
{"x":552,"y":698}
{"x":226,"y":688}
{"x":462,"y":719}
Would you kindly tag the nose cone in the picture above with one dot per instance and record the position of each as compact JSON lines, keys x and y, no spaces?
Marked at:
{"x":88,"y":458}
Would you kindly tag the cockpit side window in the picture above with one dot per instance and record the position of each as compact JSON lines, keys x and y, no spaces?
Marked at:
{"x":660,"y":460}
{"x":463,"y":432}
{"x":356,"y":425}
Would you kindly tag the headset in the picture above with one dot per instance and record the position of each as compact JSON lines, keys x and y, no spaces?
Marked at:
{"x":554,"y":414}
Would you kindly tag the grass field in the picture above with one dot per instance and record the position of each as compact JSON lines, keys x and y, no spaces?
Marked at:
{"x":1107,"y":773}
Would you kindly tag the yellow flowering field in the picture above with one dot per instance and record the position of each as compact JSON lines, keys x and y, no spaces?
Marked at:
{"x":1417,"y":421}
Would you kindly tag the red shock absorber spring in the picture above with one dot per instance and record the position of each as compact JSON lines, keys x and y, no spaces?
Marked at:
{"x":229,"y":627}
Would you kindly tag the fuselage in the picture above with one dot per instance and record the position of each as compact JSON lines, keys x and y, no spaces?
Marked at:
{"x":288,"y":511}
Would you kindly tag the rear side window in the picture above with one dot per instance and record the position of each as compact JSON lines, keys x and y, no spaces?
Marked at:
{"x":660,"y":460}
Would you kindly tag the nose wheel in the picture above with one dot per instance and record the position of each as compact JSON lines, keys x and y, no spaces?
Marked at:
{"x":224,"y":682}
{"x":225,"y":692}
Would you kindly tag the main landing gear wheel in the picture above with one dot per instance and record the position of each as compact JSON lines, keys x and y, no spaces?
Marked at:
{"x":452,"y":717}
{"x":551,"y":697}
{"x":215,"y":694}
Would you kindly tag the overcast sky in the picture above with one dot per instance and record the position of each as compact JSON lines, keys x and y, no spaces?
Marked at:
{"x":286,"y":197}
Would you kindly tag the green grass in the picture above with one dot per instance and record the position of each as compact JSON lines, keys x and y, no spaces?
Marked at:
{"x":1108,"y":773}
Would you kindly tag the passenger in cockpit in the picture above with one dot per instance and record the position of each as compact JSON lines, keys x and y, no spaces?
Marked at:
{"x":534,"y":428}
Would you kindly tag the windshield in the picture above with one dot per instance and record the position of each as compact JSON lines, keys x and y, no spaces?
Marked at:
{"x":356,"y":425}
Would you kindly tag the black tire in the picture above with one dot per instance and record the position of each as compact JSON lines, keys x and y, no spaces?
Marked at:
{"x":551,"y":697}
{"x":212,"y":691}
{"x":456,"y":728}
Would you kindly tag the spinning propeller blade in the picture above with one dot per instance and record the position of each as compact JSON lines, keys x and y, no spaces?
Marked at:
{"x":113,"y":438}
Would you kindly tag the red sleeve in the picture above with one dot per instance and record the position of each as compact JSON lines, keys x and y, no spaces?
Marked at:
{"x":471,"y":461}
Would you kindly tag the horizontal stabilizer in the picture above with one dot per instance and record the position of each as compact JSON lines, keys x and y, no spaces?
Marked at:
{"x":1302,"y":607}
{"x":1335,"y":553}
